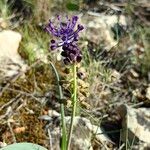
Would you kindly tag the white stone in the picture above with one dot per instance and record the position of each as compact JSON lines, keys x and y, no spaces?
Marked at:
{"x":148,"y":93}
{"x":10,"y":61}
{"x":82,"y":133}
{"x":135,"y":124}
{"x":98,"y":27}
{"x":9,"y":43}
{"x":2,"y":144}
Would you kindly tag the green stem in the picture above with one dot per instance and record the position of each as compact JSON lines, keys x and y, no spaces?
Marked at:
{"x":74,"y":105}
{"x":64,"y":138}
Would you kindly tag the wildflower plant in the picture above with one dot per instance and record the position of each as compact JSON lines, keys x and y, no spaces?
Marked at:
{"x":66,"y":36}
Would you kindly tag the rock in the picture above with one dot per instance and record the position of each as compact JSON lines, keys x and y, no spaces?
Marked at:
{"x":82,"y":135}
{"x":148,"y":93}
{"x":10,"y":61}
{"x":53,"y":113}
{"x":3,"y":23}
{"x":115,"y":76}
{"x":135,"y":124}
{"x":98,"y":27}
{"x":9,"y":43}
{"x":83,"y":132}
{"x":134,"y":73}
{"x":137,"y":93}
{"x":2,"y":144}
{"x":141,"y":146}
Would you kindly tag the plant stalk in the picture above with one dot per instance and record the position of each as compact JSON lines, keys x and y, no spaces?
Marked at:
{"x":64,"y":137}
{"x":74,"y":105}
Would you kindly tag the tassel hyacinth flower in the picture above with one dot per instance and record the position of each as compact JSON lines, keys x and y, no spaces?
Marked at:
{"x":66,"y":36}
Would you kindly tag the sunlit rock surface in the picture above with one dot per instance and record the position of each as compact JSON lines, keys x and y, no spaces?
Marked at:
{"x":98,"y":28}
{"x":10,"y":61}
{"x":136,"y":125}
{"x":83,"y":133}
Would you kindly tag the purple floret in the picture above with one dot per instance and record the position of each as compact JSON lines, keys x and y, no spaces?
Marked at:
{"x":71,"y":53}
{"x":67,"y":37}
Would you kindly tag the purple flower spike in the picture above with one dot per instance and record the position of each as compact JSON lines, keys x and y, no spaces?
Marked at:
{"x":67,"y":37}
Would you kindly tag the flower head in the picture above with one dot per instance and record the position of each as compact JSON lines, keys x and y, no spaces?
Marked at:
{"x":67,"y":37}
{"x":71,"y":53}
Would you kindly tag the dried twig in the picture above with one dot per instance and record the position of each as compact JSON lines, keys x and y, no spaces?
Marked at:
{"x":137,"y":105}
{"x":121,"y":147}
{"x":16,"y":77}
{"x":11,"y":130}
{"x":10,"y":102}
{"x":50,"y":139}
{"x":8,"y":113}
{"x":24,"y":93}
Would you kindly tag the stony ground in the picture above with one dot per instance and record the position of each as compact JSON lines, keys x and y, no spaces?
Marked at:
{"x":113,"y":78}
